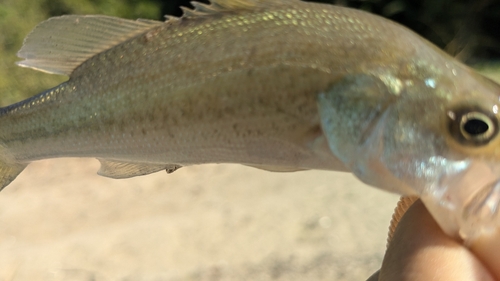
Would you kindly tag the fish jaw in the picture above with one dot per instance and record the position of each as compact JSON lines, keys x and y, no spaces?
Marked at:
{"x":466,"y":203}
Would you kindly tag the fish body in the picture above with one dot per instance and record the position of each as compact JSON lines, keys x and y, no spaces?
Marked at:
{"x":279,"y":85}
{"x":225,"y":86}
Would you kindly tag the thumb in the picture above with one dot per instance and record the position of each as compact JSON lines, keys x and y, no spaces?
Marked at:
{"x":419,"y":250}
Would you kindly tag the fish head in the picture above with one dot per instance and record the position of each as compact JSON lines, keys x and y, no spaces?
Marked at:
{"x":435,"y":136}
{"x":456,"y":156}
{"x":449,"y":127}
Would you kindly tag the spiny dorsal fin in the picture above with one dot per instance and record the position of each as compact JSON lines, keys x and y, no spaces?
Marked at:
{"x":218,"y":6}
{"x":60,"y":44}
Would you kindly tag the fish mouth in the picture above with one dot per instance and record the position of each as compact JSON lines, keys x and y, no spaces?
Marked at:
{"x":466,"y":204}
{"x":481,"y":215}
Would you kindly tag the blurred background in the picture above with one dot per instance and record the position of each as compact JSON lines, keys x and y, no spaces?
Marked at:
{"x":60,"y":221}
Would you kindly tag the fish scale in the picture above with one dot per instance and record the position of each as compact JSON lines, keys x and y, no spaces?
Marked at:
{"x":279,"y":85}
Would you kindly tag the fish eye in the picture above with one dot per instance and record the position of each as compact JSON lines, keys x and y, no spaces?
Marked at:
{"x":473,"y":127}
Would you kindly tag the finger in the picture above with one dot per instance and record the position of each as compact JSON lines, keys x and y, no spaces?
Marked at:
{"x":421,"y":251}
{"x":487,"y":249}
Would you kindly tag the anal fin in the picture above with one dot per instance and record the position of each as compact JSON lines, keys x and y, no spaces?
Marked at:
{"x":8,"y":172}
{"x":121,"y":170}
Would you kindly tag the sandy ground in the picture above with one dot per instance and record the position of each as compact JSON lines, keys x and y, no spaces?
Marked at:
{"x":60,"y":221}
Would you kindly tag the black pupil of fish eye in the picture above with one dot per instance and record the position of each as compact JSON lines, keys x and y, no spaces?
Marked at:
{"x":476,"y":127}
{"x":473,"y":127}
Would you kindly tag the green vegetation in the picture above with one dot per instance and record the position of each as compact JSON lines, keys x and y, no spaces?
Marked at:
{"x":490,"y":70}
{"x":18,"y":18}
{"x":464,"y":28}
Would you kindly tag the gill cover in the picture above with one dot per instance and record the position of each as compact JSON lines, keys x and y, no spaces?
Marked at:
{"x":352,"y":114}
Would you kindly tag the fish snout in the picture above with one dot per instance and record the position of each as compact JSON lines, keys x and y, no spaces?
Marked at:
{"x":480,"y":215}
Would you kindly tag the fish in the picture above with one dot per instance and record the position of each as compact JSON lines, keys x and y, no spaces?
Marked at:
{"x":281,"y":85}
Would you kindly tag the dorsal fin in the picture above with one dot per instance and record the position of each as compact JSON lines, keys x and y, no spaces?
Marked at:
{"x":60,"y":44}
{"x":218,"y":6}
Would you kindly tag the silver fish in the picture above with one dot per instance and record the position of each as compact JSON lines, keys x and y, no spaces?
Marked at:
{"x":279,"y":85}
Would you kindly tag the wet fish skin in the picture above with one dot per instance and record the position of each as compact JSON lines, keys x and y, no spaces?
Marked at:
{"x":280,"y":85}
{"x":137,"y":101}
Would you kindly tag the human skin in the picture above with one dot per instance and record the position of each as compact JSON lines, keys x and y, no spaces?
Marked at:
{"x":419,"y":250}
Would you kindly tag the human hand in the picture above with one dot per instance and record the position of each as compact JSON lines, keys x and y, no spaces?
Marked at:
{"x":419,"y":250}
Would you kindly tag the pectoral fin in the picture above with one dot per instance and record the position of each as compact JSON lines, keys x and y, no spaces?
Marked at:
{"x":121,"y":170}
